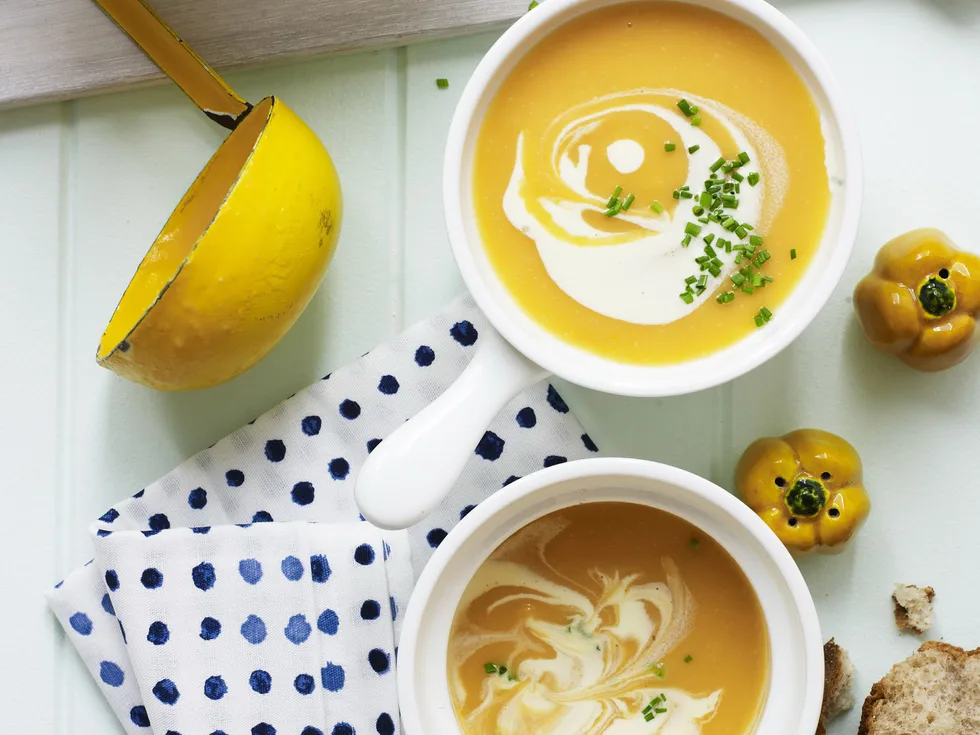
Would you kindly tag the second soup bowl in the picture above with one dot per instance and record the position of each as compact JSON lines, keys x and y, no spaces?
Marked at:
{"x":412,"y":470}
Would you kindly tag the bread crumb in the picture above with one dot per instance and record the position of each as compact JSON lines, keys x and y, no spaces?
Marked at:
{"x":838,"y":676}
{"x":913,"y":607}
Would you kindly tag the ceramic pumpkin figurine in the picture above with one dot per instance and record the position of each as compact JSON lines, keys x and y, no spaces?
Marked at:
{"x":921,"y":300}
{"x":807,"y":487}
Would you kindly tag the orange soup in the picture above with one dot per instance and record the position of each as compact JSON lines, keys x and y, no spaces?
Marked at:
{"x":650,"y":182}
{"x":608,"y":618}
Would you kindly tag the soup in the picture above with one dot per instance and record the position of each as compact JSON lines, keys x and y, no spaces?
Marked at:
{"x":649,"y":182}
{"x":608,"y":618}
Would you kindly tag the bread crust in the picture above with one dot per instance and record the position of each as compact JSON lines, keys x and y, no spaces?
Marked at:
{"x":902,"y":619}
{"x":880,"y":691}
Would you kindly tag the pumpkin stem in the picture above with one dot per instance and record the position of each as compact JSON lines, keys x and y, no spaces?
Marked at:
{"x":806,"y":498}
{"x":936,"y":297}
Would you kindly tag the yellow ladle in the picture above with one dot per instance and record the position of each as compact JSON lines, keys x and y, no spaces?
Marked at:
{"x":245,"y":249}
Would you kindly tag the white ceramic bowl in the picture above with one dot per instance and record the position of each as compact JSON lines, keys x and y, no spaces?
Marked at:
{"x":796,"y":669}
{"x":413,"y":469}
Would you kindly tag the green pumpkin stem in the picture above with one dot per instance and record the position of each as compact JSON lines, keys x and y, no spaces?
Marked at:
{"x":936,"y":297}
{"x":806,"y":498}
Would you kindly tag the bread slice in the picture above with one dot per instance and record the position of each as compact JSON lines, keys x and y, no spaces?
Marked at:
{"x":913,"y":607}
{"x":935,"y":691}
{"x":838,"y":675}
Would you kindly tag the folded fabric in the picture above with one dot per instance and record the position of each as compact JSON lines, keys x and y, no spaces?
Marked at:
{"x":297,"y":463}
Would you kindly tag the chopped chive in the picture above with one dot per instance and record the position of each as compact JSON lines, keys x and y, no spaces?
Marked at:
{"x":703,"y":220}
{"x":533,"y":5}
{"x":757,"y":280}
{"x":611,"y":202}
{"x":618,"y":190}
{"x":694,"y":542}
{"x":705,"y":199}
{"x":690,"y":279}
{"x":696,"y":121}
{"x":741,"y":232}
{"x":755,"y":240}
{"x":737,"y":278}
{"x":738,"y":258}
{"x":688,"y":659}
{"x":710,"y":251}
{"x":743,"y":157}
{"x":728,"y":197}
{"x":701,"y":259}
{"x":502,"y":670}
{"x":738,"y":188}
{"x":670,"y":147}
{"x":490,"y":668}
{"x":702,"y":281}
{"x":766,"y":314}
{"x":692,"y":229}
{"x":737,"y":176}
{"x":686,"y":195}
{"x":759,"y":321}
{"x":717,"y":164}
{"x":657,"y":207}
{"x":628,"y":202}
{"x":753,"y":179}
{"x":698,"y":210}
{"x":729,"y":224}
{"x":747,"y":226}
{"x":694,"y":149}
{"x":686,"y":108}
{"x":442,"y":83}
{"x":792,"y":254}
{"x":686,"y":241}
{"x":714,"y":270}
{"x":709,"y":238}
{"x":746,"y":288}
{"x":612,"y":211}
{"x":660,"y":710}
{"x":687,"y":298}
{"x":677,"y":194}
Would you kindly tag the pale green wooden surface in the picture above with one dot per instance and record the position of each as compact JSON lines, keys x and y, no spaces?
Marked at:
{"x":84,"y":187}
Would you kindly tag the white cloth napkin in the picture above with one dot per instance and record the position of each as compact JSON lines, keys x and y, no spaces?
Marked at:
{"x":271,"y":502}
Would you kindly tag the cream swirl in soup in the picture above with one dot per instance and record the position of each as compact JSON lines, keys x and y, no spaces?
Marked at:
{"x":633,"y":273}
{"x":542,"y":645}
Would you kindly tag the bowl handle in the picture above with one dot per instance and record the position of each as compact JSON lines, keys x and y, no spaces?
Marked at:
{"x":414,"y":468}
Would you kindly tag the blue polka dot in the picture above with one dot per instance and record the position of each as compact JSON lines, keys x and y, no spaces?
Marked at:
{"x":350,"y":409}
{"x":253,"y":629}
{"x":158,"y":634}
{"x":215,"y":687}
{"x":149,"y":533}
{"x":328,"y":622}
{"x":203,"y":576}
{"x":210,"y":629}
{"x":172,"y":732}
{"x":509,"y":480}
{"x":297,"y":629}
{"x":388,"y":385}
{"x":552,"y":459}
{"x":251,"y":570}
{"x":203,"y":530}
{"x":310,"y":730}
{"x":292,"y":568}
{"x":424,"y":356}
{"x":490,"y":447}
{"x":305,"y":684}
{"x":263,"y":728}
{"x":100,"y":532}
{"x":341,"y":728}
{"x":385,"y":725}
{"x":81,"y":623}
{"x":319,"y":568}
{"x":556,"y":401}
{"x":464,"y":333}
{"x":107,"y":604}
{"x":589,"y":444}
{"x":235,"y":478}
{"x":111,"y":674}
{"x":219,"y":732}
{"x":435,"y":537}
{"x":526,"y":418}
{"x":379,"y":660}
{"x":303,"y":493}
{"x":339,"y":468}
{"x":311,"y":425}
{"x":138,"y":716}
{"x":370,"y":610}
{"x":275,"y":450}
{"x":197,"y":498}
{"x":166,"y":691}
{"x":332,"y":677}
{"x":394,"y":608}
{"x":466,"y":511}
{"x":262,"y":516}
{"x":159,"y":522}
{"x":151,"y":578}
{"x":140,"y":493}
{"x":372,"y":444}
{"x":109,"y":516}
{"x":260,"y":681}
{"x":364,"y":554}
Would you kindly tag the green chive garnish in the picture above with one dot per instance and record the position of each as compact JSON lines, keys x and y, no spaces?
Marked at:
{"x":741,"y":232}
{"x":686,"y":241}
{"x":686,"y":108}
{"x":737,"y":278}
{"x":737,"y":176}
{"x":657,"y":207}
{"x":755,"y":240}
{"x":710,"y":251}
{"x":792,"y":254}
{"x":502,"y":670}
{"x":669,"y":147}
{"x":442,"y":83}
{"x":705,"y":199}
{"x":690,"y":279}
{"x":709,"y":238}
{"x":628,"y":202}
{"x":533,"y":5}
{"x":687,"y":298}
{"x":753,"y":179}
{"x":696,"y":121}
{"x":612,"y":211}
{"x":692,"y":229}
{"x":695,"y":543}
{"x":490,"y":668}
{"x":694,"y":149}
{"x":759,"y":321}
{"x":686,"y":195}
{"x":718,"y":164}
{"x":743,"y":157}
{"x":698,"y":210}
{"x":688,"y":659}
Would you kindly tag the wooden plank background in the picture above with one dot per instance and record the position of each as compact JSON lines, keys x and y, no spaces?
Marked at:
{"x":57,"y":49}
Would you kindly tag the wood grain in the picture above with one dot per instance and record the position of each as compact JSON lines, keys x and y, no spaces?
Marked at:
{"x":57,"y":49}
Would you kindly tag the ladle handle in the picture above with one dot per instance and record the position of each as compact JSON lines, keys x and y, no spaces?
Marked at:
{"x":415,"y":467}
{"x":177,"y":60}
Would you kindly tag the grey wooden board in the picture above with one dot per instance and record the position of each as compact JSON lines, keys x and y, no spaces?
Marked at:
{"x":57,"y":49}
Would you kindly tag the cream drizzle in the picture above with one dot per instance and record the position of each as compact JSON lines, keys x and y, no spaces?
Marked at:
{"x":636,"y":275}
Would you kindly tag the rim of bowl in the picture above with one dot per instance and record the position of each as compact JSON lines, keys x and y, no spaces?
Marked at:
{"x":586,"y":368}
{"x":609,"y":467}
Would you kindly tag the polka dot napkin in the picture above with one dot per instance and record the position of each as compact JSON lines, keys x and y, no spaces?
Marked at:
{"x":242,"y":593}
